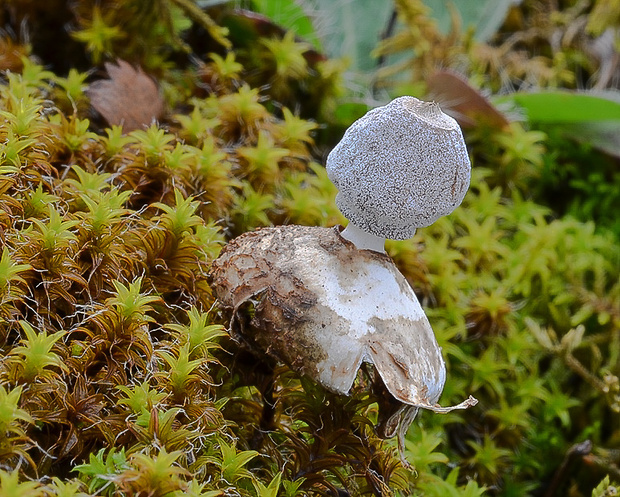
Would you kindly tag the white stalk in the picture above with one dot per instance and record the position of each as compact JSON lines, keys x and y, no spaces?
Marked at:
{"x":362,"y":239}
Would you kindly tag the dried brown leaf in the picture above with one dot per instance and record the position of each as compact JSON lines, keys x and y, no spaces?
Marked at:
{"x":11,"y":54}
{"x":462,"y":101}
{"x":129,"y":98}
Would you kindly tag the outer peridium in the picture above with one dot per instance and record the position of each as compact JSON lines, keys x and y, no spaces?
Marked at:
{"x":323,"y":307}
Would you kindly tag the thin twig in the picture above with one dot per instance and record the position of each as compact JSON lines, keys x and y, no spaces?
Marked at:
{"x":192,"y":10}
{"x":581,"y":370}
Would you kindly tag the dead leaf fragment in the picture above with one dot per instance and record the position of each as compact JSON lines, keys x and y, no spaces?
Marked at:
{"x":129,"y":98}
{"x":11,"y":55}
{"x":463,"y":102}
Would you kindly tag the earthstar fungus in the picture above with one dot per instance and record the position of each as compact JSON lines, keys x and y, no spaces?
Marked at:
{"x":324,"y":300}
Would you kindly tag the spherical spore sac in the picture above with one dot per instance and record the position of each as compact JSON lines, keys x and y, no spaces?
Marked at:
{"x":400,"y":167}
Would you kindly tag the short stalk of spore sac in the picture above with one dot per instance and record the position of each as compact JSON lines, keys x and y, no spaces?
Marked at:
{"x":325,"y":300}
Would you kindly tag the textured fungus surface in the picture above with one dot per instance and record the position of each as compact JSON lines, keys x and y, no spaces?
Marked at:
{"x":400,"y":167}
{"x":323,"y":307}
